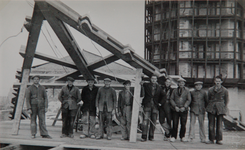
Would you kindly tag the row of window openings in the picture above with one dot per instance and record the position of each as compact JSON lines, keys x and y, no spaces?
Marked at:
{"x":199,"y":12}
{"x":198,"y":55}
{"x":198,"y":71}
{"x":193,"y":3}
{"x":211,"y":70}
{"x":196,"y":33}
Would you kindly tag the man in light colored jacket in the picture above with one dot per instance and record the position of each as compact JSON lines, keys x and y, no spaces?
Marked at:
{"x":180,"y":101}
{"x":198,"y":103}
{"x":106,"y":104}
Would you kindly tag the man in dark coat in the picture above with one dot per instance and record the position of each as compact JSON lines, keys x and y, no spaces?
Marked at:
{"x":37,"y":105}
{"x":69,"y":97}
{"x":125,"y":103}
{"x":88,"y":109}
{"x":153,"y":97}
{"x":218,"y":99}
{"x":106,"y":104}
{"x":180,"y":101}
{"x":165,"y":110}
{"x":198,"y":103}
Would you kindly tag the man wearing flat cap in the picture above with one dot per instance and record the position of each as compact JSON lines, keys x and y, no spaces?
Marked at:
{"x":88,"y":109}
{"x":180,"y":101}
{"x":197,"y":110}
{"x":106,"y":104}
{"x":153,"y":97}
{"x":218,"y":99}
{"x":69,"y":97}
{"x":125,"y":102}
{"x":37,"y":105}
{"x":165,"y":112}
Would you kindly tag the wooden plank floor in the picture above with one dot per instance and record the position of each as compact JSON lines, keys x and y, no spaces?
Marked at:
{"x":232,"y":140}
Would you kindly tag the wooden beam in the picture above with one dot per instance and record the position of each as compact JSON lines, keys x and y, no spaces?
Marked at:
{"x":109,"y":59}
{"x":57,"y":116}
{"x":99,"y":63}
{"x":79,"y":85}
{"x":36,"y":22}
{"x":12,"y":147}
{"x":20,"y":102}
{"x":37,"y":19}
{"x":84,"y":25}
{"x":66,"y":38}
{"x":103,"y":75}
{"x":136,"y":106}
{"x":75,"y":74}
{"x":49,"y":58}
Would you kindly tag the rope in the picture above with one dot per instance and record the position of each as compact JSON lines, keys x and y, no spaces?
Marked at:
{"x":21,"y":30}
{"x":101,"y":56}
{"x":129,"y":91}
{"x":52,"y":48}
{"x":150,"y":119}
{"x":56,"y":54}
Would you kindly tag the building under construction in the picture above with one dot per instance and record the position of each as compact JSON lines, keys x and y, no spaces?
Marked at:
{"x":197,"y":39}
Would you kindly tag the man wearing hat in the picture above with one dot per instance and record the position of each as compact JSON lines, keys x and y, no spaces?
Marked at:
{"x":153,"y":97}
{"x":69,"y":97}
{"x":180,"y":101}
{"x":218,"y":99}
{"x":197,"y":109}
{"x":165,"y":112}
{"x":37,"y":105}
{"x":125,"y":102}
{"x":106,"y":103}
{"x":88,"y":109}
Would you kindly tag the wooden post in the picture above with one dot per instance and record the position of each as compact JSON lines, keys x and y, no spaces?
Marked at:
{"x":37,"y":19}
{"x":56,"y":118}
{"x":136,"y":106}
{"x":20,"y":101}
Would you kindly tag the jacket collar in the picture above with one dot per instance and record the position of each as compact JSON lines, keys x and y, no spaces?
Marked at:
{"x":182,"y":88}
{"x":37,"y":86}
{"x":219,"y":90}
{"x":87,"y":86}
{"x":72,"y":87}
{"x":124,"y":90}
{"x":197,"y":90}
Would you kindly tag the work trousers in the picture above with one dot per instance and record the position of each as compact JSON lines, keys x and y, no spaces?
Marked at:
{"x":201,"y":118}
{"x":182,"y":116}
{"x":89,"y":127}
{"x":150,"y":113}
{"x":68,"y":118}
{"x":212,"y":120}
{"x":165,"y":114}
{"x":40,"y":112}
{"x":105,"y":116}
{"x":126,"y":121}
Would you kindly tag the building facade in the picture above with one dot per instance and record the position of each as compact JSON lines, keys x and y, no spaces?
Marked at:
{"x":196,"y":39}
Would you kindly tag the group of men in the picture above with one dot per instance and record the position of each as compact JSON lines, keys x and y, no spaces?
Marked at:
{"x":173,"y":105}
{"x":170,"y":105}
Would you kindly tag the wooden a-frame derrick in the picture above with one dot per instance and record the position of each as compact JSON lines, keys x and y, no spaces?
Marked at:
{"x":84,"y":25}
{"x":57,"y":14}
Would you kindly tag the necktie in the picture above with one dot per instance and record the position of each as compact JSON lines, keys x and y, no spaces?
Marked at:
{"x":153,"y":89}
{"x":180,"y":91}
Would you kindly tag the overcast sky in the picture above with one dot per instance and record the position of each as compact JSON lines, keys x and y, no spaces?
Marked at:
{"x":123,"y":20}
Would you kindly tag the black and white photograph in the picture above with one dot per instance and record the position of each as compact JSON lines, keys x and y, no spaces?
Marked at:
{"x":122,"y":74}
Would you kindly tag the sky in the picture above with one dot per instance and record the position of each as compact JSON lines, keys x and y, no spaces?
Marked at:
{"x":123,"y":20}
